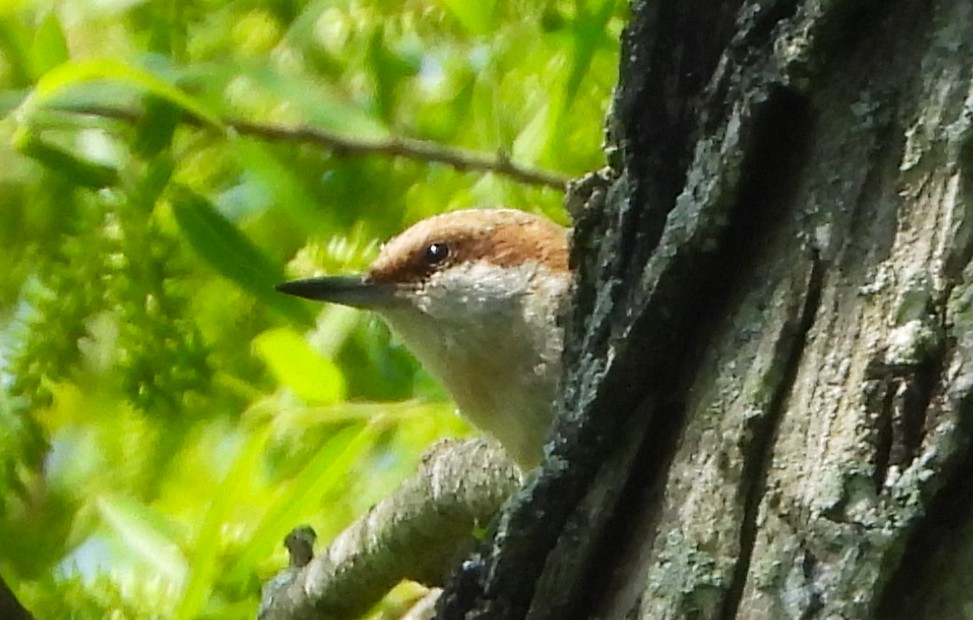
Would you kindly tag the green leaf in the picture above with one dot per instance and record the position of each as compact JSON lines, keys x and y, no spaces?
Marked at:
{"x":533,"y":139}
{"x":328,"y":469}
{"x":146,"y":533}
{"x":11,"y":7}
{"x":232,"y":254}
{"x":318,"y":102}
{"x":390,"y":69}
{"x":67,"y":75}
{"x":589,"y":32}
{"x":76,"y":169}
{"x":288,"y":189}
{"x":316,"y":379}
{"x":15,"y":43}
{"x":50,"y":47}
{"x":476,"y":17}
{"x":206,"y":551}
{"x":156,"y":126}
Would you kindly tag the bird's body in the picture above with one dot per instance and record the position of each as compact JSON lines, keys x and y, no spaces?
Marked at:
{"x":475,"y":296}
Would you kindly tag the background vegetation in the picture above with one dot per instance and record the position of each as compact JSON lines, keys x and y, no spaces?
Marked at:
{"x":165,"y":416}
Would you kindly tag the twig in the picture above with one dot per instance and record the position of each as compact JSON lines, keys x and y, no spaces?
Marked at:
{"x":345,"y":146}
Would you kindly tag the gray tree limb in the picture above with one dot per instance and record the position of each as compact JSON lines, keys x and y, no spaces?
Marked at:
{"x":417,"y":533}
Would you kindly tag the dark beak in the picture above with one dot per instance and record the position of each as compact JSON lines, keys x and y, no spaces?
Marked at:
{"x":353,"y":291}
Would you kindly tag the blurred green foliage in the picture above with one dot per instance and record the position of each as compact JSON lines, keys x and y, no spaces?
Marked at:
{"x":165,"y":416}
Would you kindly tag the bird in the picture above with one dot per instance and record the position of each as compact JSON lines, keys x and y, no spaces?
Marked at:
{"x":475,"y":295}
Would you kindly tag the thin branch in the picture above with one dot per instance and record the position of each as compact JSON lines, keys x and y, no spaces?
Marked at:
{"x":345,"y":146}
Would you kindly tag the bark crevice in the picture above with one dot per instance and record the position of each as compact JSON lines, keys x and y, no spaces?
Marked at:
{"x":790,"y":352}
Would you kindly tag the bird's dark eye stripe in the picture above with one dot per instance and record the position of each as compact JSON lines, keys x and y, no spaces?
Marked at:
{"x":436,"y":252}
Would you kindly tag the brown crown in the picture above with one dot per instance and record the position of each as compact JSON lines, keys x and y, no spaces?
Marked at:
{"x":503,"y":237}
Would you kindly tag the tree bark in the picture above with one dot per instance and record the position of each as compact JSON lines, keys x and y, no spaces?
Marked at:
{"x":766,"y":410}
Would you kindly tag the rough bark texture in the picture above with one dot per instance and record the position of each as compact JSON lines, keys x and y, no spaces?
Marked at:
{"x":767,"y":409}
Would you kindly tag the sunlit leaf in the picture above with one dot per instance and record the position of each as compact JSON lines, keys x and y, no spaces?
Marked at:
{"x":9,"y":7}
{"x":318,"y":103}
{"x":476,"y":17}
{"x":50,"y":47}
{"x":204,"y":562}
{"x":326,"y":471}
{"x":67,"y":75}
{"x":148,"y":534}
{"x":15,"y":43}
{"x":314,"y":378}
{"x":589,"y":34}
{"x":535,"y":136}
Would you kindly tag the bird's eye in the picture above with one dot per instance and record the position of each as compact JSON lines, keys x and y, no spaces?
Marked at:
{"x":436,"y":252}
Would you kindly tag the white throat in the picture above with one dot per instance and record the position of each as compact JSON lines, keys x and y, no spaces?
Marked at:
{"x":490,"y":335}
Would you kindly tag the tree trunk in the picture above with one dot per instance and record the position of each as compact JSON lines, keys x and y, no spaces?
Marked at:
{"x":767,"y":406}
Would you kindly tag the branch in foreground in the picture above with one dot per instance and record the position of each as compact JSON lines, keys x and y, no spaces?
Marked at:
{"x":417,"y":533}
{"x":344,"y":146}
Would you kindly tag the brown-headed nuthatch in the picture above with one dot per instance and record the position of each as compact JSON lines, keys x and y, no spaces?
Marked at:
{"x":475,"y":295}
